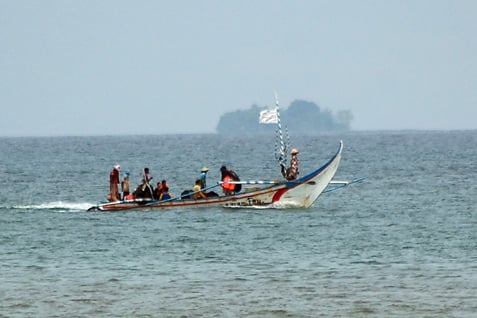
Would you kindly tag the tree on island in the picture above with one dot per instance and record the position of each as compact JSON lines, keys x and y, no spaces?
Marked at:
{"x":300,"y":117}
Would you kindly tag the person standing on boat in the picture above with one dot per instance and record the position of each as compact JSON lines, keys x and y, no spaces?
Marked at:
{"x":125,"y":185}
{"x":146,"y":178}
{"x":203,"y":177}
{"x":113,"y":184}
{"x":292,"y":172}
{"x":203,"y":183}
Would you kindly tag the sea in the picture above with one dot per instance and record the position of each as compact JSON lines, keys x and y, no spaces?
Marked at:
{"x":401,"y":243}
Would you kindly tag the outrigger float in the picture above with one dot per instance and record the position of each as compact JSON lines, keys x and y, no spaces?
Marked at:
{"x":263,"y":194}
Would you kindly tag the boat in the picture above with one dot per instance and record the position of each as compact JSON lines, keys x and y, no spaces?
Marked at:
{"x":258,"y":194}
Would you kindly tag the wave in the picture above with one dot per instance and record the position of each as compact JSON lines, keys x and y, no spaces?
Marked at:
{"x":59,"y":206}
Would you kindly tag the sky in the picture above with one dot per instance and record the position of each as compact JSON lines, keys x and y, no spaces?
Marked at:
{"x":114,"y":67}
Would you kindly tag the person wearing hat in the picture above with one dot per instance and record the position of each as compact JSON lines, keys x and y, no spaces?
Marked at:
{"x":113,"y":184}
{"x":203,"y":183}
{"x":203,"y":177}
{"x":292,"y":172}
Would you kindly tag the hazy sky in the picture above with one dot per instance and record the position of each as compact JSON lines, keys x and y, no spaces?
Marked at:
{"x":130,"y":67}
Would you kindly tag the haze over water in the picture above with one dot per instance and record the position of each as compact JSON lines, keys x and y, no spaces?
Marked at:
{"x":120,"y":67}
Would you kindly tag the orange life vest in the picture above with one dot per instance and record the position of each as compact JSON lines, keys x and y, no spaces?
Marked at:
{"x":226,"y":185}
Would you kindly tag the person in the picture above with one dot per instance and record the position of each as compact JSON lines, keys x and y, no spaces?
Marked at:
{"x":197,"y":193}
{"x":165,"y":195}
{"x":292,"y":172}
{"x":157,"y":191}
{"x":227,"y":177}
{"x":164,"y":184}
{"x":113,"y":184}
{"x":125,"y":185}
{"x":203,"y":177}
{"x":144,"y":190}
{"x":203,"y":183}
{"x":227,"y":187}
{"x":146,"y":176}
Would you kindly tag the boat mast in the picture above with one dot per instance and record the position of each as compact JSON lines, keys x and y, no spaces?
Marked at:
{"x":281,"y":154}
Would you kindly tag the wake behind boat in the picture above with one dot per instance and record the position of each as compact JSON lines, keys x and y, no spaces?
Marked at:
{"x":299,"y":193}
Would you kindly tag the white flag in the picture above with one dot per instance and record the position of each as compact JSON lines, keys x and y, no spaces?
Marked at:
{"x":268,"y":116}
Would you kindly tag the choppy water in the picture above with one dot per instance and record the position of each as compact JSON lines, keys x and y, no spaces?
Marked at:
{"x":401,"y":244}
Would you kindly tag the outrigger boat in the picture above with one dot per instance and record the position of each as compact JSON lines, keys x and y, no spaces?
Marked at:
{"x":299,"y":193}
{"x":281,"y":194}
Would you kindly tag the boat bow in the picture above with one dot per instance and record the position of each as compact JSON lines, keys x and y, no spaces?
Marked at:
{"x":303,"y":192}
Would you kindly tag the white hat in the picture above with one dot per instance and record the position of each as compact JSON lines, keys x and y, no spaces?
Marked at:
{"x":294,"y":151}
{"x":117,"y":167}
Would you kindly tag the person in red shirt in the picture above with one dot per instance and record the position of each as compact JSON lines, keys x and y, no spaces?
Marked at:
{"x":113,"y":184}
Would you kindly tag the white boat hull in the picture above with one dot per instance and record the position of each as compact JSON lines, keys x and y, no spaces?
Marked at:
{"x":300,"y":193}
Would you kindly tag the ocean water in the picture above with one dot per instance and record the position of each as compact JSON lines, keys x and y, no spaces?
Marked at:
{"x":401,"y":244}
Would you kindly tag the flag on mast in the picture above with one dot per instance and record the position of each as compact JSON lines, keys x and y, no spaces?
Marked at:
{"x":268,"y":116}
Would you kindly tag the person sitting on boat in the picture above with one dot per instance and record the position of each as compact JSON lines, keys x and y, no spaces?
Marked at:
{"x":125,"y":185}
{"x":165,"y":195}
{"x":292,"y":172}
{"x":203,"y":177}
{"x":197,"y":193}
{"x":164,"y":185}
{"x":158,"y":191}
{"x":113,"y":184}
{"x":227,"y":177}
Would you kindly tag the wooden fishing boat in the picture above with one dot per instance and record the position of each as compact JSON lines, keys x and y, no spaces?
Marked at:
{"x":299,"y":193}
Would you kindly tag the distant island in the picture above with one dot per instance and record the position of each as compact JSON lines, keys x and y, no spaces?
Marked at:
{"x":300,"y":117}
